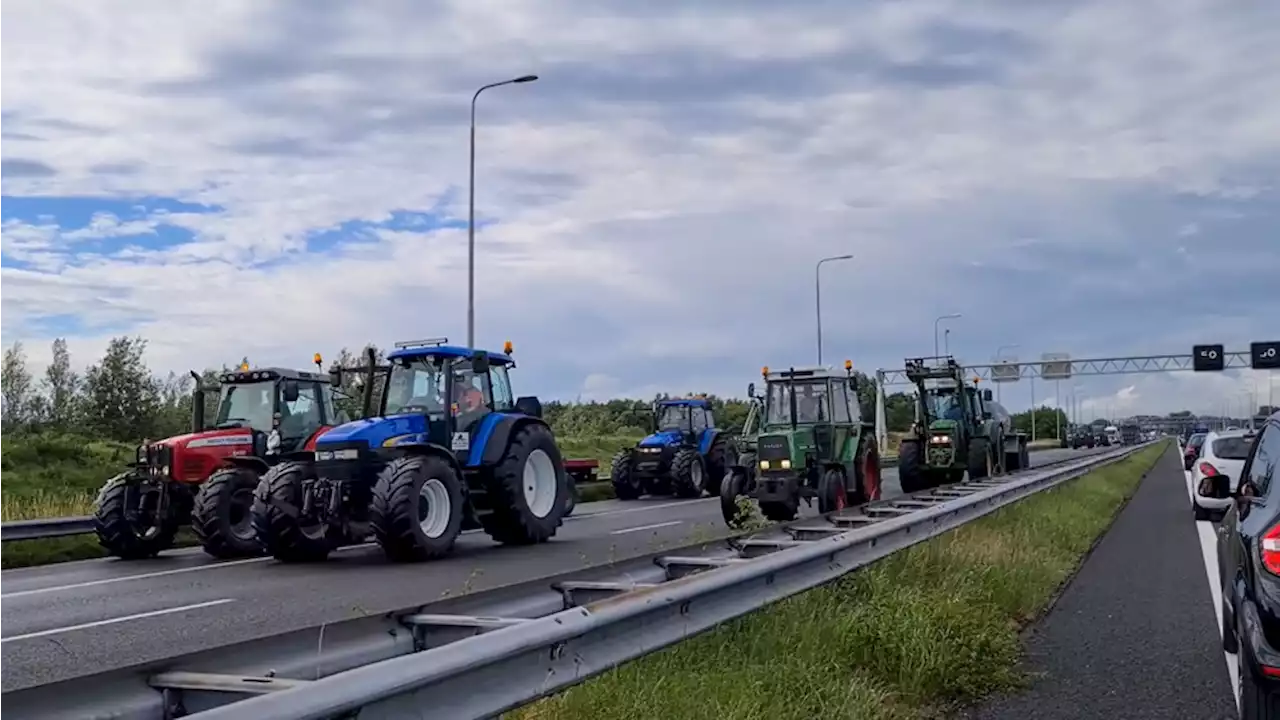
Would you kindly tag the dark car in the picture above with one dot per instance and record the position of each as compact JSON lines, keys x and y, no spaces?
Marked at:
{"x":1192,"y":450}
{"x":1249,"y":559}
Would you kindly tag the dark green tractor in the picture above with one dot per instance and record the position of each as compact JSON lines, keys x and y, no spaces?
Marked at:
{"x":810,"y":442}
{"x":958,"y":430}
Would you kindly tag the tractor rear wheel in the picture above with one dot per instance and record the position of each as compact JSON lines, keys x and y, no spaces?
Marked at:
{"x":528,"y":489}
{"x":720,"y":457}
{"x":688,"y":474}
{"x":130,"y":519}
{"x":222,"y":519}
{"x":910,"y":473}
{"x":278,"y":521}
{"x":732,"y":487}
{"x":417,"y":508}
{"x":832,"y":494}
{"x":979,"y":460}
{"x":624,"y":487}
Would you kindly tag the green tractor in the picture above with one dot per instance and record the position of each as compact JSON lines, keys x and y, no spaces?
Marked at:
{"x":809,"y":441}
{"x":957,"y":430}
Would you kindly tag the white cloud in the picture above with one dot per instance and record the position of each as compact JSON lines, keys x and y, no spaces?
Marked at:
{"x":1092,"y":177}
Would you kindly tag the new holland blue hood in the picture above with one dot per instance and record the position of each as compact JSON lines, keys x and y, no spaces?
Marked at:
{"x":374,"y":431}
{"x":662,"y":439}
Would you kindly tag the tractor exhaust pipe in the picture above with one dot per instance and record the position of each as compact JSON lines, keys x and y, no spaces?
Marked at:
{"x":371,"y":355}
{"x":197,"y":404}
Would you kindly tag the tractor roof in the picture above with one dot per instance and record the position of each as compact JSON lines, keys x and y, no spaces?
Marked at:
{"x":270,"y":373}
{"x":407,"y":350}
{"x":808,"y":372}
{"x":686,"y":402}
{"x":943,"y":367}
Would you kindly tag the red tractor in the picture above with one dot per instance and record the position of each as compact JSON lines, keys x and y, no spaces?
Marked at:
{"x":207,"y":477}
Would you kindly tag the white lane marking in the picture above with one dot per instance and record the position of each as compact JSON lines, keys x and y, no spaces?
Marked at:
{"x":1209,"y":552}
{"x":113,"y":621}
{"x":654,"y":526}
{"x":140,"y":576}
{"x":644,"y":507}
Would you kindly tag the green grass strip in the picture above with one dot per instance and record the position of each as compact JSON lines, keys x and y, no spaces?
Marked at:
{"x":914,"y":635}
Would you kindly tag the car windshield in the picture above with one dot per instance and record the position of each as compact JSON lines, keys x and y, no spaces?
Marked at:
{"x":813,"y":403}
{"x":247,"y":405}
{"x":1196,"y":441}
{"x":943,"y":404}
{"x":673,"y":417}
{"x":1232,"y":448}
{"x":415,"y":387}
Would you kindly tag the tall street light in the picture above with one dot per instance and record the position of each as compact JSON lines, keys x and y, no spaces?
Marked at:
{"x":817,"y":294}
{"x":952,"y":316}
{"x":471,"y":211}
{"x":999,"y":353}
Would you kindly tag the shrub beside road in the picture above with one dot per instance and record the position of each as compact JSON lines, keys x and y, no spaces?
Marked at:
{"x":918,"y":633}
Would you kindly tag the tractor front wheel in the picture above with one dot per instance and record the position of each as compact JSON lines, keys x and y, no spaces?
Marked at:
{"x":278,"y":521}
{"x":133,"y":518}
{"x":720,"y":457}
{"x":979,"y":460}
{"x":625,"y":486}
{"x":528,"y":489}
{"x":417,"y":508}
{"x":732,"y":487}
{"x":222,"y":519}
{"x":910,"y":472}
{"x":688,"y":474}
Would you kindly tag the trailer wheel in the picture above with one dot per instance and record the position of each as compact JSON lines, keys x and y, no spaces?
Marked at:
{"x":528,"y":489}
{"x":624,"y":486}
{"x":124,"y":524}
{"x":417,"y":508}
{"x":222,"y":519}
{"x":910,"y":474}
{"x":278,"y":521}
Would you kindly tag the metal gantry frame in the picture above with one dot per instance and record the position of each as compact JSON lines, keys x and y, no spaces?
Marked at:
{"x":1064,"y":368}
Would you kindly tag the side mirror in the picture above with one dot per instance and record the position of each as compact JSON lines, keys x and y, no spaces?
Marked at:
{"x":751,"y":390}
{"x":480,"y":362}
{"x":1217,"y":487}
{"x":530,"y":406}
{"x":986,"y":395}
{"x":853,"y":383}
{"x":335,"y":376}
{"x":289,"y":391}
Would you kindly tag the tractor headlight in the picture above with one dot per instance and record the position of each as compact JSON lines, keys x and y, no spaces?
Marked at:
{"x":164,"y":470}
{"x":940,"y":440}
{"x":141,"y":456}
{"x":273,"y":442}
{"x":344,"y":454}
{"x":783,"y":464}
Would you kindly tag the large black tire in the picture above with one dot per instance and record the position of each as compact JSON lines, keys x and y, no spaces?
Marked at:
{"x":1013,"y":460}
{"x":832,"y":493}
{"x":223,"y":515}
{"x":572,"y":502}
{"x":910,"y":474}
{"x":868,"y":479}
{"x":780,"y":511}
{"x":513,"y":521}
{"x":277,"y":510}
{"x":720,"y":456}
{"x":400,"y":506}
{"x":121,"y":537}
{"x":979,"y":459}
{"x":688,"y":474}
{"x":624,"y":487}
{"x":732,"y":488}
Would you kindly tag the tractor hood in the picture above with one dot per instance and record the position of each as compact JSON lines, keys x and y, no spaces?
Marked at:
{"x":193,"y":456}
{"x":229,"y":438}
{"x":662,"y":439}
{"x":943,"y":426}
{"x":373,"y":432}
{"x":785,"y":443}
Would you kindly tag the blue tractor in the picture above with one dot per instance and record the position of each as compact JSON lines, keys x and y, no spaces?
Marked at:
{"x":450,"y":449}
{"x":685,"y":455}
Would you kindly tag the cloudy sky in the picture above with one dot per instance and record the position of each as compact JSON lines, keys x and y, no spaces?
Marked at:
{"x":272,"y":179}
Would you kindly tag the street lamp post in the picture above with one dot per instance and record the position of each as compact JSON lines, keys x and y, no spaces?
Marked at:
{"x":471,"y":211}
{"x":952,"y":316}
{"x":817,"y":294}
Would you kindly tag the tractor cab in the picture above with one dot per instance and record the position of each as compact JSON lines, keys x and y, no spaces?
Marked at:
{"x":679,"y":422}
{"x":947,"y":408}
{"x":280,"y":407}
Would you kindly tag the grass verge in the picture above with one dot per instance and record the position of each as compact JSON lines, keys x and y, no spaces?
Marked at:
{"x":917,"y":634}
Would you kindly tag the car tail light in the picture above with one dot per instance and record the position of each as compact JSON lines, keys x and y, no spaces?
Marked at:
{"x":1208,"y":470}
{"x":1271,"y":550}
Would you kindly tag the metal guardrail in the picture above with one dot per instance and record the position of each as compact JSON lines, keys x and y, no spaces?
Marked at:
{"x":45,"y":528}
{"x":477,"y":656}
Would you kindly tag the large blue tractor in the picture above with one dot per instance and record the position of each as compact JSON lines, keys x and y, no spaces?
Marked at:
{"x":685,"y":455}
{"x":451,"y":449}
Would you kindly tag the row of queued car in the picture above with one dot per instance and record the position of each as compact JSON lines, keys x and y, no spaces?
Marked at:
{"x":442,"y":445}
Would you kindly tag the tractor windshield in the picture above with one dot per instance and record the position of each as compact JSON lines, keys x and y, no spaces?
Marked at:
{"x":673,"y":417}
{"x":247,"y":405}
{"x":415,"y":387}
{"x":943,"y":404}
{"x":813,"y":402}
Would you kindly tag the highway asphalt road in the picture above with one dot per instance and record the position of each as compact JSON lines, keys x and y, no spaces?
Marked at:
{"x":1135,"y":634}
{"x":72,"y":619}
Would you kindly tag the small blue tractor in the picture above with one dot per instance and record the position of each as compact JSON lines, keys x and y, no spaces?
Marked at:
{"x":686,"y":454}
{"x":450,"y":449}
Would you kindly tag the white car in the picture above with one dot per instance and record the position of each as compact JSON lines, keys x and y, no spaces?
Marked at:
{"x":1223,"y":453}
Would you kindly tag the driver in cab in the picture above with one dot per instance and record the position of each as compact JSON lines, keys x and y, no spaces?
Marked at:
{"x":468,"y":401}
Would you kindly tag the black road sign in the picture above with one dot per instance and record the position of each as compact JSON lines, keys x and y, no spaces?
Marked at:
{"x":1207,"y":357}
{"x":1265,"y":355}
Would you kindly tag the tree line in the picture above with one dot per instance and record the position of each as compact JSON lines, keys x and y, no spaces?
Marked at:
{"x":120,"y":398}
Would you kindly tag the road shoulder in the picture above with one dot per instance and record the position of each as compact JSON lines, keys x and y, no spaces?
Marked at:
{"x":1133,"y":634}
